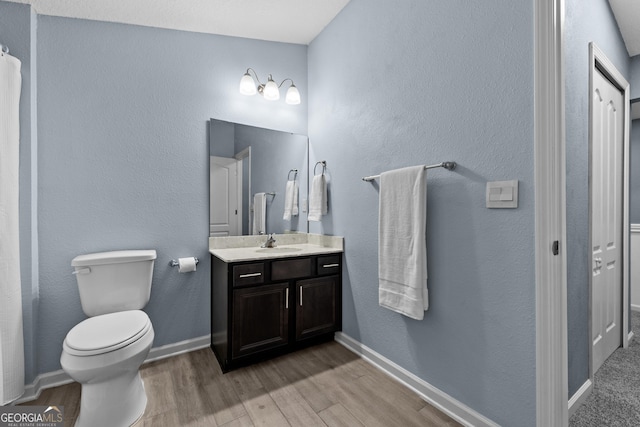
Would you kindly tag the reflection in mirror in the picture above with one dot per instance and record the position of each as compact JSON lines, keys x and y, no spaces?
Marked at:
{"x":246,"y":160}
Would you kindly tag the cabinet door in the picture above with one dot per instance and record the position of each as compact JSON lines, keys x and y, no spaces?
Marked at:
{"x":317,"y":306}
{"x":260,"y":318}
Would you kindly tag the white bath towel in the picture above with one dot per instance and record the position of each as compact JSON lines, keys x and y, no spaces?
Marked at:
{"x":318,"y":198}
{"x":290,"y":200}
{"x":259,"y":213}
{"x":402,"y":254}
{"x":11,"y":340}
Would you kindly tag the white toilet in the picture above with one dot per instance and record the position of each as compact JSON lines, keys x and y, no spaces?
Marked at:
{"x":104,"y":352}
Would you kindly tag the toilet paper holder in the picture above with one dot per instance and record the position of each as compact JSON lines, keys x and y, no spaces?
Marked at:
{"x":174,"y":263}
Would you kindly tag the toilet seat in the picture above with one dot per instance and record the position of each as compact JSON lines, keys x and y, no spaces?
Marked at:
{"x":106,"y":333}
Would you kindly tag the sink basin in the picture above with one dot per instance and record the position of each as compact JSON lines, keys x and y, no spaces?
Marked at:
{"x":278,"y":249}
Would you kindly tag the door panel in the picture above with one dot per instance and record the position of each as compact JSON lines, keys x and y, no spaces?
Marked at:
{"x":225,"y":196}
{"x":606,"y":218}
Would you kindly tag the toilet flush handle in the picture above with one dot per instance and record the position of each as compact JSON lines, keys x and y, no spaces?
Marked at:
{"x":83,"y":270}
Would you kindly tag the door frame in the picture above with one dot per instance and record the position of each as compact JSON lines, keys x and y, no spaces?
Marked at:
{"x":597,"y":59}
{"x":550,"y":215}
{"x":240,"y":156}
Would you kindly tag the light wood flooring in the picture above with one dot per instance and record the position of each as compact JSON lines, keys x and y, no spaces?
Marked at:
{"x":324,"y":385}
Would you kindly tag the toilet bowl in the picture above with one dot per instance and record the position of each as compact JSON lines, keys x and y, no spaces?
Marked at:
{"x":104,"y":354}
{"x":105,"y":351}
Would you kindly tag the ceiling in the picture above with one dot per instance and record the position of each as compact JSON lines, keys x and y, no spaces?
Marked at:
{"x":627,"y":13}
{"x":288,"y":21}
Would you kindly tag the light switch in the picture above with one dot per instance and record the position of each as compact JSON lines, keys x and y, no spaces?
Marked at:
{"x":502,"y":194}
{"x":494,"y":194}
{"x":506,"y":194}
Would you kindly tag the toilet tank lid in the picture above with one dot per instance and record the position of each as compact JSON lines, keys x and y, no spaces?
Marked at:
{"x":113,"y":257}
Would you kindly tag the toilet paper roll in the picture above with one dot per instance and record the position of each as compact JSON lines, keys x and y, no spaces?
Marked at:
{"x":186,"y":265}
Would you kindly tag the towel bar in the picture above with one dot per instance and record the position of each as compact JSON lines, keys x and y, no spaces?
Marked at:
{"x":324,"y":166}
{"x":447,"y":165}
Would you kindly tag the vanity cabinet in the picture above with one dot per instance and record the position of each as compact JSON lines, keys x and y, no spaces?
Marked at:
{"x":260,"y":309}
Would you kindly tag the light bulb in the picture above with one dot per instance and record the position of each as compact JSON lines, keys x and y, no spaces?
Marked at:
{"x":247,"y":85}
{"x":271,"y":91}
{"x":293,"y":96}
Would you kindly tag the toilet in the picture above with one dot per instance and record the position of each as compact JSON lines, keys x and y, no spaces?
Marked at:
{"x":104,"y":352}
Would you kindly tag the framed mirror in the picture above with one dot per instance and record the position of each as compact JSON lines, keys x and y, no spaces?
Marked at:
{"x":246,"y":161}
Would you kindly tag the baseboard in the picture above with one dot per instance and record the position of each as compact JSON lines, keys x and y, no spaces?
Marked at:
{"x":58,"y":378}
{"x":170,"y":350}
{"x":42,"y":382}
{"x":580,"y":396}
{"x":634,"y":228}
{"x":436,"y":397}
{"x":635,"y":307}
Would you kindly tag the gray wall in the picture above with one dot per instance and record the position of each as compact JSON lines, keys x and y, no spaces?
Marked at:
{"x":123,"y":157}
{"x":585,"y":22}
{"x":396,"y":84}
{"x":634,"y":187}
{"x":634,"y":178}
{"x":634,"y":80}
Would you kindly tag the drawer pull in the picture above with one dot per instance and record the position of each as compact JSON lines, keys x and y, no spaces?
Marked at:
{"x":300,"y":296}
{"x":286,"y":299}
{"x":330,"y":265}
{"x":242,"y":276}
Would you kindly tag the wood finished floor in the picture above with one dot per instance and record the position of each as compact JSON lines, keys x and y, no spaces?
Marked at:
{"x":324,"y":385}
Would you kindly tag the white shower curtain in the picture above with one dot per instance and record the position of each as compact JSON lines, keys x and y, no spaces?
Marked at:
{"x":11,"y":341}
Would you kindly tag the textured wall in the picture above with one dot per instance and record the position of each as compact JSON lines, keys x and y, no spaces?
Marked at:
{"x":634,"y":79}
{"x":634,"y":186}
{"x":396,"y":84}
{"x":124,"y":157}
{"x":634,"y":178}
{"x":586,"y":21}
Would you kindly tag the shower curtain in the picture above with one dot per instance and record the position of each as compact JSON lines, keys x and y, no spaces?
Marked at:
{"x":11,"y":340}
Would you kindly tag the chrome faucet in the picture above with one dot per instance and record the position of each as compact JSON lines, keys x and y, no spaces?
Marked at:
{"x":270,"y":242}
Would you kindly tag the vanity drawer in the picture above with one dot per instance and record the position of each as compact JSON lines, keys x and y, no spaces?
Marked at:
{"x":248,"y":274}
{"x":329,"y":264}
{"x":290,"y":268}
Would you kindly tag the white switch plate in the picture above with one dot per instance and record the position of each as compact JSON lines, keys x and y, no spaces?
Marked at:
{"x":502,"y":194}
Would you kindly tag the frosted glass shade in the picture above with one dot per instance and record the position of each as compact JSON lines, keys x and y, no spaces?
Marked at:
{"x":293,"y":96}
{"x":271,"y":91}
{"x":247,"y":85}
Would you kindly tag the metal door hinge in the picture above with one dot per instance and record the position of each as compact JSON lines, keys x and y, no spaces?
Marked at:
{"x":555,"y":248}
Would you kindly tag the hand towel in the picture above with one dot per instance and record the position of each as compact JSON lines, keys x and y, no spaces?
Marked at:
{"x":290,"y":200}
{"x":259,"y":213}
{"x":402,"y":254}
{"x":318,"y":198}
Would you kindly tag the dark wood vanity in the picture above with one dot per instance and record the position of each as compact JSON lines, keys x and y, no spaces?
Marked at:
{"x":268,"y":307}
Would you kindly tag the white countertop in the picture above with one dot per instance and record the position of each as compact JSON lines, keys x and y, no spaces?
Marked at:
{"x":247,"y":248}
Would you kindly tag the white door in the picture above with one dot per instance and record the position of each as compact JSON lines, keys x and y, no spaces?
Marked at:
{"x":607,"y":123}
{"x":225,"y":208}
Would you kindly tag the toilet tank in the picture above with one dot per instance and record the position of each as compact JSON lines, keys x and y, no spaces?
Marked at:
{"x":114,"y":281}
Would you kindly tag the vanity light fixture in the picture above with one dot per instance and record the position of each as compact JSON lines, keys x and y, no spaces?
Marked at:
{"x":270,"y":90}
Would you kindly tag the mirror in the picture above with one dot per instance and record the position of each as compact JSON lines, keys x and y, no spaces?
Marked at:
{"x":245,"y":160}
